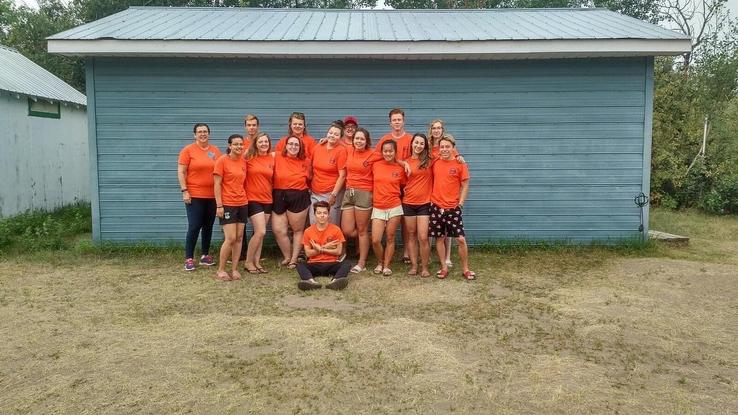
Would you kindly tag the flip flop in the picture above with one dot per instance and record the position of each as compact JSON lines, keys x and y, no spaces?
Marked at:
{"x":442,"y":274}
{"x":235,"y":276}
{"x":252,"y":271}
{"x":291,"y":265}
{"x":262,"y":270}
{"x":469,"y":275}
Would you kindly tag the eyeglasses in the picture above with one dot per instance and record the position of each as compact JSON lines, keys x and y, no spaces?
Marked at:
{"x":294,"y":144}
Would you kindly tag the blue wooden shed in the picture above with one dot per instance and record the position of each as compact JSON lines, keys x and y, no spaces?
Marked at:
{"x":551,"y":107}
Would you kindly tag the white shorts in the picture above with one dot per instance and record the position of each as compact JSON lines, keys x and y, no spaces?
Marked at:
{"x":386,"y":214}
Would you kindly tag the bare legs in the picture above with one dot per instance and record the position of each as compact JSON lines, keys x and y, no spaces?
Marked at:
{"x":355,"y":223}
{"x":253,"y":253}
{"x":417,"y":231}
{"x":280,"y":225}
{"x":463,"y":252}
{"x":232,"y":239}
{"x":384,"y":255}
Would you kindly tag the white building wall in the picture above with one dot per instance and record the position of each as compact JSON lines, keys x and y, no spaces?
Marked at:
{"x":43,"y":161}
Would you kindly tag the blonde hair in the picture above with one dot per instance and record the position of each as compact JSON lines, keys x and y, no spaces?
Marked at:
{"x":449,"y":138}
{"x":430,"y":127}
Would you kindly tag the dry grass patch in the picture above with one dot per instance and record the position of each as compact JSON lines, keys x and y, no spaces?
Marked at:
{"x":565,"y":330}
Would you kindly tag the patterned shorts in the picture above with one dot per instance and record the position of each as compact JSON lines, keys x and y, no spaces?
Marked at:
{"x":445,"y":222}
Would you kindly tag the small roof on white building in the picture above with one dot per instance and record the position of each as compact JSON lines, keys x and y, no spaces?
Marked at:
{"x":19,"y":75}
{"x":347,"y":33}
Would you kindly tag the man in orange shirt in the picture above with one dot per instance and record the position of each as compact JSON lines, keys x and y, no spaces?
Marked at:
{"x":403,"y":140}
{"x":450,"y":188}
{"x":323,"y":244}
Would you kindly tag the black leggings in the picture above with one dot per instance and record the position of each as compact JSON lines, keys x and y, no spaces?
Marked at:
{"x":323,"y":269}
{"x":200,"y":216}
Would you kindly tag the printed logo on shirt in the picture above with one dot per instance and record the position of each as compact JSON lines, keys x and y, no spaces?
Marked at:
{"x":395,"y":175}
{"x":211,"y":155}
{"x":365,"y":163}
{"x":332,"y":161}
{"x":453,"y":171}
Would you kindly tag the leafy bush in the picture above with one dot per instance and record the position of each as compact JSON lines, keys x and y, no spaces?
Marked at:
{"x":39,"y":230}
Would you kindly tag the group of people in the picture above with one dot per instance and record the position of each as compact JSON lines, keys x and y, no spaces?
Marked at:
{"x":341,"y":185}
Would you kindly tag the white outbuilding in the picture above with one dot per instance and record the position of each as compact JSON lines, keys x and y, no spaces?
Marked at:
{"x":44,"y":154}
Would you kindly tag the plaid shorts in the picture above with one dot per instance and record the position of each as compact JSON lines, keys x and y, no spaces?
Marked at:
{"x":445,"y":222}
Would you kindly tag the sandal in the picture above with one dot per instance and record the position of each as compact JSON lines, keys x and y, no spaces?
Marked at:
{"x":412,"y":273}
{"x":251,"y":270}
{"x":235,"y":276}
{"x":261,"y":270}
{"x":291,"y":265}
{"x":424,"y":274}
{"x":386,"y":272}
{"x":378,"y":269}
{"x":222,"y":276}
{"x":357,"y":269}
{"x":469,"y":275}
{"x":442,"y":274}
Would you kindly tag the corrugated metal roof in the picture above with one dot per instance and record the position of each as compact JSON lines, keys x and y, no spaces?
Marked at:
{"x":20,"y":75}
{"x":256,"y":24}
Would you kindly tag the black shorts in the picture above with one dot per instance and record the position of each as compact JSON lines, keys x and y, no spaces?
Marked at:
{"x":416,"y":210}
{"x":258,"y":207}
{"x":234,"y":214}
{"x":445,"y":222}
{"x":288,"y":199}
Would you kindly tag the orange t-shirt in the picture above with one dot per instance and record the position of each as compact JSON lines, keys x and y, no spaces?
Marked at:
{"x":326,"y":167}
{"x":200,"y":163}
{"x":331,"y":233}
{"x":419,"y":184}
{"x":259,"y":179}
{"x":447,"y":178}
{"x":232,"y":187}
{"x":290,"y":172}
{"x":359,"y":169}
{"x":403,"y":145}
{"x":308,"y":141}
{"x":388,"y":177}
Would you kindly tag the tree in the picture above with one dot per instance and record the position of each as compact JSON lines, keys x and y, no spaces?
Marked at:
{"x":27,"y":32}
{"x":701,"y":20}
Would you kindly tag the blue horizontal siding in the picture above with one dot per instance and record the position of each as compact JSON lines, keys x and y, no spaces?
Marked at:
{"x":555,"y":147}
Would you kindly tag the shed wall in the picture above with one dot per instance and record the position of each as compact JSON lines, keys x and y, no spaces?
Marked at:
{"x":44,"y":161}
{"x":555,"y":147}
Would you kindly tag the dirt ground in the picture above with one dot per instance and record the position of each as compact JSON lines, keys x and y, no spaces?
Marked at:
{"x":586,"y":330}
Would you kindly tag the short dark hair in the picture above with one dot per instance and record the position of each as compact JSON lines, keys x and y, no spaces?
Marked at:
{"x":321,"y":204}
{"x":394,"y":111}
{"x":200,"y":124}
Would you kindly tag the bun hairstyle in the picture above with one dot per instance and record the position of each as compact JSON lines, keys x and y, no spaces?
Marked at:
{"x":337,"y":124}
{"x":230,"y":140}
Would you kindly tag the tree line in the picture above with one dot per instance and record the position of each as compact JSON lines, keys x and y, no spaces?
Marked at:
{"x":695,"y":121}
